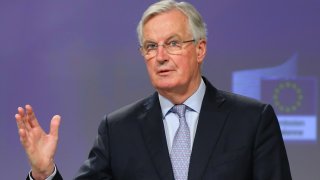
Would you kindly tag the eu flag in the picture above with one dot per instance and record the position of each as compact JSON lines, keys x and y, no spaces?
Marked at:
{"x":295,"y":96}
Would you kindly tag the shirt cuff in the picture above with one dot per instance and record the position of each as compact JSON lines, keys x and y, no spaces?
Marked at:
{"x":49,"y":177}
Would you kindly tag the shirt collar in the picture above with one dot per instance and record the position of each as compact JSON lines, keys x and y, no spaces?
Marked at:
{"x":194,"y":101}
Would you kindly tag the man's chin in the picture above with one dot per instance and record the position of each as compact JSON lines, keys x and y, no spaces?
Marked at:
{"x":164,"y":85}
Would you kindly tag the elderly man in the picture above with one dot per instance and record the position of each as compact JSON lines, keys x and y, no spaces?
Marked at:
{"x":187,"y":129}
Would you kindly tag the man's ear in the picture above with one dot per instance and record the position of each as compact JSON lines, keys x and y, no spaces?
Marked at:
{"x":201,"y":50}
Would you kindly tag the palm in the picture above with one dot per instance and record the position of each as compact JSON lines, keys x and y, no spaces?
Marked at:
{"x":41,"y":147}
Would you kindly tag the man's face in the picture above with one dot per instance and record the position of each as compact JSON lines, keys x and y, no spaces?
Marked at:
{"x":173,"y":73}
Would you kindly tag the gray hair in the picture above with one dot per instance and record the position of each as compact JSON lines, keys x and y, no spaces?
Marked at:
{"x":196,"y":25}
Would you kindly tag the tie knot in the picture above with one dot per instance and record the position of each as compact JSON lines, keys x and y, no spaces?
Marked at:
{"x":179,"y":109}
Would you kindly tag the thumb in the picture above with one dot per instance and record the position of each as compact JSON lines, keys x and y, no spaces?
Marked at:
{"x":54,"y":126}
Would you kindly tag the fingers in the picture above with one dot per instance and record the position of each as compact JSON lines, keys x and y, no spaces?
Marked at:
{"x":54,"y":126}
{"x":23,"y":126}
{"x":19,"y":118}
{"x":21,"y":111}
{"x":23,"y":138}
{"x":32,"y":120}
{"x":22,"y":120}
{"x":26,"y":120}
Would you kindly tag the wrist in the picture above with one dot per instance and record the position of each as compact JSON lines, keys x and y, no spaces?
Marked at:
{"x":42,"y":174}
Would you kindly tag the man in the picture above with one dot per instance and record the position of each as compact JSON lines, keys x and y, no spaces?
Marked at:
{"x":218,"y":135}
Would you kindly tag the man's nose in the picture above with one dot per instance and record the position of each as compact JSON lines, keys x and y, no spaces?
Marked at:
{"x":162,"y":54}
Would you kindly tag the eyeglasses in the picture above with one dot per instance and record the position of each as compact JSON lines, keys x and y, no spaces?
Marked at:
{"x":150,"y":49}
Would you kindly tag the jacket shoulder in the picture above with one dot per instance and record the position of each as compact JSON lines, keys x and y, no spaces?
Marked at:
{"x":132,"y":110}
{"x":240,"y":100}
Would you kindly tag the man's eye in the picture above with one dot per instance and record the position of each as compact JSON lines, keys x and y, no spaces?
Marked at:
{"x":173,"y":43}
{"x":150,"y":46}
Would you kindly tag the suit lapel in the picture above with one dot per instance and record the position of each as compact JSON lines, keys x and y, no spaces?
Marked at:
{"x":155,"y":139}
{"x":210,"y":125}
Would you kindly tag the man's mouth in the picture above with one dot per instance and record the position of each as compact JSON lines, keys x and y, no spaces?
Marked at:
{"x":164,"y":72}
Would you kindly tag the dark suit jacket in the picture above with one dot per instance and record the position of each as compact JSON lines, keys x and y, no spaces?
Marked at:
{"x":237,"y":138}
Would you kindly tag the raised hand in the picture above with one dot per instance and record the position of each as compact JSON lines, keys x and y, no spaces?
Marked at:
{"x":39,"y":146}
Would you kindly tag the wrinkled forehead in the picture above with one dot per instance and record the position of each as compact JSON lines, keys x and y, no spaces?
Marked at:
{"x":168,"y":24}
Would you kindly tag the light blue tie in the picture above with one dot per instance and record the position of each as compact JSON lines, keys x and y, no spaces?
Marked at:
{"x":180,"y":152}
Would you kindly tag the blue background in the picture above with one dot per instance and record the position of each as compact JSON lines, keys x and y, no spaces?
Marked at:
{"x":80,"y":59}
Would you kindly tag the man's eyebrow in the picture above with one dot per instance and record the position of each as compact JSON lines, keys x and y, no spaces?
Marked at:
{"x":175,"y":36}
{"x":148,"y":41}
